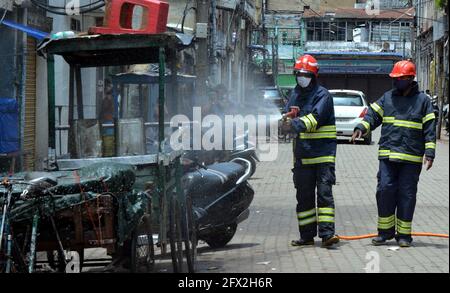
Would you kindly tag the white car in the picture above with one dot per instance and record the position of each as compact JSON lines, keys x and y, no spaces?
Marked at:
{"x":350,"y":107}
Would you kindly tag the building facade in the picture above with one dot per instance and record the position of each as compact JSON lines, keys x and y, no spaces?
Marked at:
{"x":23,"y":78}
{"x":229,"y":25}
{"x":431,"y":47}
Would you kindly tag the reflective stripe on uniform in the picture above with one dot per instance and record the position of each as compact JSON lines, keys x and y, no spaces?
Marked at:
{"x":327,"y":128}
{"x":313,"y":121}
{"x":402,"y":123}
{"x":404,"y":227}
{"x":408,"y":124}
{"x":400,"y":156}
{"x":429,"y":117}
{"x":319,"y":160}
{"x":328,"y":131}
{"x":326,"y":215}
{"x":310,"y":122}
{"x":384,"y":153}
{"x":306,"y":214}
{"x":307,"y":123}
{"x":377,"y":109}
{"x":405,"y":157}
{"x":430,"y":145}
{"x":386,"y":223}
{"x":307,"y":221}
{"x":326,"y":219}
{"x":386,"y":226}
{"x":307,"y":217}
{"x":326,"y":211}
{"x":316,"y":135}
{"x":386,"y":219}
{"x":366,"y":125}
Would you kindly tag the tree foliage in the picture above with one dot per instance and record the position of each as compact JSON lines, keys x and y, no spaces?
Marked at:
{"x":441,"y":4}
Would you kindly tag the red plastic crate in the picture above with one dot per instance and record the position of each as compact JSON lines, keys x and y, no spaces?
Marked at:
{"x":119,"y":17}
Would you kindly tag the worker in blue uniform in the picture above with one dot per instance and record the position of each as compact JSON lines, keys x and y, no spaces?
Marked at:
{"x":408,"y":139}
{"x":314,"y":126}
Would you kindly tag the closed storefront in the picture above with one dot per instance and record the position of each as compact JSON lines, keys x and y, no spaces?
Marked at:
{"x":373,"y":86}
{"x":29,"y":127}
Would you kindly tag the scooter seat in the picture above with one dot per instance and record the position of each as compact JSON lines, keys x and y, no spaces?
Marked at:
{"x":216,"y":180}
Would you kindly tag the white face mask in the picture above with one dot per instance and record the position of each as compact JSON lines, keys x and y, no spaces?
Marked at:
{"x":303,"y":81}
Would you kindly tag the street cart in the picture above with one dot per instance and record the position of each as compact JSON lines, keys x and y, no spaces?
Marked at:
{"x":127,"y":201}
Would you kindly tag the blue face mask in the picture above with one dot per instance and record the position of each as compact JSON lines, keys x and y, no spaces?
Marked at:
{"x":402,"y":84}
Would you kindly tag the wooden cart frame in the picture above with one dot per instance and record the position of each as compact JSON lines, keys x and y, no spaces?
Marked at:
{"x":159,"y":174}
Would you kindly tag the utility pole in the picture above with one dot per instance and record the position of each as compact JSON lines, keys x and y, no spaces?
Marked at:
{"x":213,"y":53}
{"x":263,"y":34}
{"x":202,"y":68}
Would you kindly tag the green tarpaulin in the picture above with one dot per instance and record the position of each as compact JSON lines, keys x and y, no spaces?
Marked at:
{"x":75,"y":188}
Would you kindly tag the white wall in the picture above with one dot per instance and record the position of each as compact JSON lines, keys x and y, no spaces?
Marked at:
{"x":89,"y":77}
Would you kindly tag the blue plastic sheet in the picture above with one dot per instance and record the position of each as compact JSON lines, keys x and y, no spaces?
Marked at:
{"x":9,"y":126}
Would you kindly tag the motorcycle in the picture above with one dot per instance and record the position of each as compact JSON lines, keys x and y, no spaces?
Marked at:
{"x":242,"y":148}
{"x":221,"y":196}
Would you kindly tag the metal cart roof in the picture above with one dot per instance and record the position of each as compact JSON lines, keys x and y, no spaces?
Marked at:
{"x":147,"y":78}
{"x":115,"y":50}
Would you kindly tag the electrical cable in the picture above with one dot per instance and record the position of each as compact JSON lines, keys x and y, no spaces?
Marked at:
{"x":62,"y":10}
{"x":63,"y":7}
{"x":4,"y":15}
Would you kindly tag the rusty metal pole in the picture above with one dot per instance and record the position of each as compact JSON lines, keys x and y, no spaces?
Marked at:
{"x":202,"y":68}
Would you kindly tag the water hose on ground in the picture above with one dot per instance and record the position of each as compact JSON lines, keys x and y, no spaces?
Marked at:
{"x":417,"y":234}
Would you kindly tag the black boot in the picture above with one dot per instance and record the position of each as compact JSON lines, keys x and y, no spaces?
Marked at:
{"x":302,"y":242}
{"x":380,"y":240}
{"x":404,"y":243}
{"x":330,"y":241}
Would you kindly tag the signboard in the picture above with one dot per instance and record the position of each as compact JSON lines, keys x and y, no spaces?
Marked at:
{"x":355,"y":66}
{"x":227,"y":4}
{"x":362,"y":67}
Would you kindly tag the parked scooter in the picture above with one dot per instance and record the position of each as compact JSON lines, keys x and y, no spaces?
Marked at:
{"x":242,"y":148}
{"x":221,"y":197}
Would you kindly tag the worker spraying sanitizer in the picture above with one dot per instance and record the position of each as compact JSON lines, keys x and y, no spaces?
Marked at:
{"x":310,"y":115}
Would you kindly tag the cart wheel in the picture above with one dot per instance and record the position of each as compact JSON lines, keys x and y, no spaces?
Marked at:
{"x":221,"y":236}
{"x":18,"y":263}
{"x":175,"y":237}
{"x":183,"y":237}
{"x":142,"y":249}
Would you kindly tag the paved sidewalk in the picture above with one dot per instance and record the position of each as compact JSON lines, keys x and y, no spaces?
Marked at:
{"x":262,"y":242}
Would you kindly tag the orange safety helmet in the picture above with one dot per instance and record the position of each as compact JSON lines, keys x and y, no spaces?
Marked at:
{"x":306,"y":64}
{"x":403,"y":68}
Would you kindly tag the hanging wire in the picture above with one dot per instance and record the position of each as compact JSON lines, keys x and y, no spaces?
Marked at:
{"x":4,"y":14}
{"x":61,"y":10}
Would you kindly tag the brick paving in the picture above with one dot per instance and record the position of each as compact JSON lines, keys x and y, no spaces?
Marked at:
{"x":262,"y":242}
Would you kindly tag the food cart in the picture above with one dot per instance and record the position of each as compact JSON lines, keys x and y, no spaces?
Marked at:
{"x":129,"y":202}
